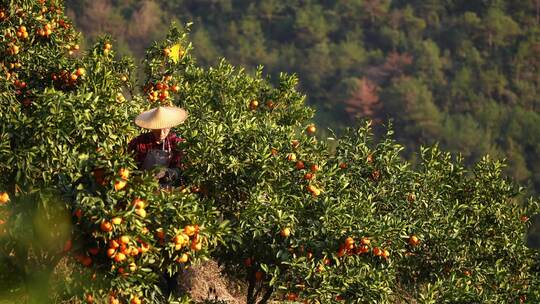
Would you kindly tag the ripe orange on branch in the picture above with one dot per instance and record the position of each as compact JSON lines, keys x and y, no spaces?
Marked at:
{"x":313,"y":190}
{"x":140,"y":212}
{"x":253,"y":104}
{"x":285,"y":232}
{"x":291,"y":157}
{"x":138,"y":203}
{"x":106,"y":226}
{"x":4,"y":197}
{"x":311,"y":129}
{"x":190,"y":230}
{"x":124,"y":173}
{"x":183,"y":258}
{"x":135,"y":300}
{"x":413,"y":240}
{"x":119,"y":185}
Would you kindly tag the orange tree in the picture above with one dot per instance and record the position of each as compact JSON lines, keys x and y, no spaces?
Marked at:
{"x":351,"y":221}
{"x":69,"y":190}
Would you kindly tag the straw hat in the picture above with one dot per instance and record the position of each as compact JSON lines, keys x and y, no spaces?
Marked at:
{"x":161,"y":118}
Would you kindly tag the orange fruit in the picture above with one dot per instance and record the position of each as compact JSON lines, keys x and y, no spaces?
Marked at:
{"x":144,"y":247}
{"x":111,"y":252}
{"x":113,"y":244}
{"x":270,"y":104}
{"x":285,"y":232}
{"x":248,"y":262}
{"x":291,"y":296}
{"x":93,"y":250}
{"x":116,"y":220}
{"x":259,"y":276}
{"x":364,"y":249}
{"x":89,"y":298}
{"x":124,"y":239}
{"x":160,"y":234}
{"x":138,"y":203}
{"x":413,"y":240}
{"x":106,"y":226}
{"x":295,"y":143}
{"x":166,"y":51}
{"x":365,"y":241}
{"x":342,"y":165}
{"x":308,"y":176}
{"x":141,"y":212}
{"x":183,"y":258}
{"x":369,"y":158}
{"x":300,"y":165}
{"x":341,"y":251}
{"x":377,"y":251}
{"x":132,"y":266}
{"x":313,"y":190}
{"x":311,"y":129}
{"x":189,"y":230}
{"x":135,"y":300}
{"x":385,"y":253}
{"x":349,"y":241}
{"x":196,"y":246}
{"x":181,"y":239}
{"x":113,"y":300}
{"x":119,"y":257}
{"x":291,"y":157}
{"x":314,"y":168}
{"x":163,"y":95}
{"x":119,"y":185}
{"x":124,"y":173}
{"x":80,"y":72}
{"x":4,"y":197}
{"x":253,"y":104}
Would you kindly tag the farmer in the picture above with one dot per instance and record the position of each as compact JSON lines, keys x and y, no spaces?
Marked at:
{"x":157,"y":150}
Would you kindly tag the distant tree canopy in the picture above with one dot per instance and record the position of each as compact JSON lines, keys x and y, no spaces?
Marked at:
{"x":462,"y":73}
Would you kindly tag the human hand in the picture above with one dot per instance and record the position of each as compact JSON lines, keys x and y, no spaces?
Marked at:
{"x":160,"y":174}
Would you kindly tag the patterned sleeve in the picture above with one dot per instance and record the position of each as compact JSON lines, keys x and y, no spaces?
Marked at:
{"x":177,"y":155}
{"x":134,"y":148}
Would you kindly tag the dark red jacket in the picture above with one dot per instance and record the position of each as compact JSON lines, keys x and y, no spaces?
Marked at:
{"x":143,"y":143}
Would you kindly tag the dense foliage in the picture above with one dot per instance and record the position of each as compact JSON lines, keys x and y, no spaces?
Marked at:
{"x":297,"y":217}
{"x":462,"y":73}
{"x":71,"y":199}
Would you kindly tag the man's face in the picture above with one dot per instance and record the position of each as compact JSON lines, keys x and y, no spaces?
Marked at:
{"x":160,"y":134}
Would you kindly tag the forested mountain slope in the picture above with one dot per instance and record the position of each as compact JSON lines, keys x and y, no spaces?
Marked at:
{"x":462,"y":73}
